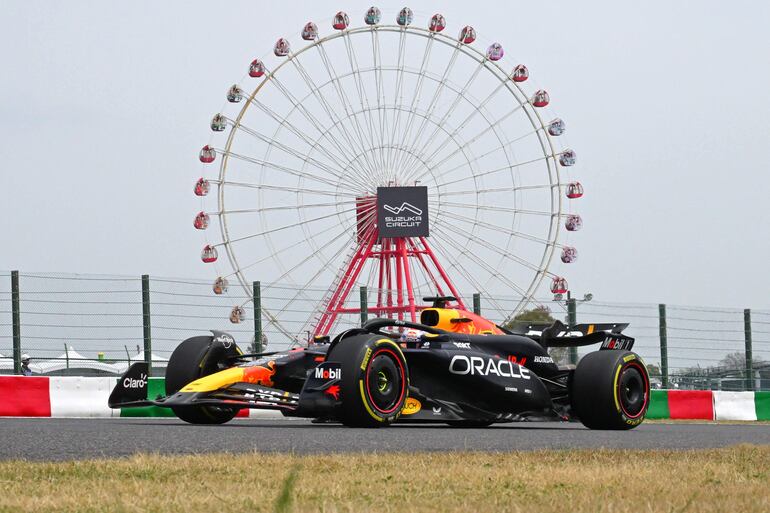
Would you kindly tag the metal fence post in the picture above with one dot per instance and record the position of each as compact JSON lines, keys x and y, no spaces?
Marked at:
{"x":572,"y":321}
{"x":749,"y":356}
{"x":256,"y":291}
{"x":364,"y":307}
{"x":16,"y":316}
{"x":477,"y":303}
{"x":146,"y":323}
{"x":663,"y":346}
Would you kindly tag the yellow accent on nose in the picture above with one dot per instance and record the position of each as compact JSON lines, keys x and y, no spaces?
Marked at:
{"x":215,"y":381}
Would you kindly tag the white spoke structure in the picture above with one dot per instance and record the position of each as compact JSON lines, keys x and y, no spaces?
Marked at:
{"x":317,"y":128}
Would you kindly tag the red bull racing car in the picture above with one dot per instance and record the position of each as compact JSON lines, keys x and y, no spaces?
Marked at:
{"x":452,"y":367}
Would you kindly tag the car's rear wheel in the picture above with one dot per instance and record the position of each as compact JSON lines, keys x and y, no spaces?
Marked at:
{"x":374,"y":382}
{"x":610,"y":390}
{"x":193,"y":359}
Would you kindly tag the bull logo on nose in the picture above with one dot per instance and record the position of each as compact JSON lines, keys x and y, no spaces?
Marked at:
{"x":260,"y":374}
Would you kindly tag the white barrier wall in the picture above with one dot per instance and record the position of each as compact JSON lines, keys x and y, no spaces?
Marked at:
{"x":734,"y":406}
{"x":72,"y":396}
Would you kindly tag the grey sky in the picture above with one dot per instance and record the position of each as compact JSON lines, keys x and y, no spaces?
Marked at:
{"x":104,"y":106}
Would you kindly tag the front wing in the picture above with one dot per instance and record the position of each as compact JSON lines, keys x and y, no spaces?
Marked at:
{"x":319,"y":395}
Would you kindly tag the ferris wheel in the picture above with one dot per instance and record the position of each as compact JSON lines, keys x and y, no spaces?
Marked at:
{"x":388,"y":155}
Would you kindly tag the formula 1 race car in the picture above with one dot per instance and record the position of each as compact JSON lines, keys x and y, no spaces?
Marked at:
{"x":453,"y":367}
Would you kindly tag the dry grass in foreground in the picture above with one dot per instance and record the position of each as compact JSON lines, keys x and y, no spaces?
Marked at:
{"x":731,"y":479}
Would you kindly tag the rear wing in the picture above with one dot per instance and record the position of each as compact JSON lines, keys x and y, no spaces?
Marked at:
{"x":535,"y":329}
{"x":608,"y":340}
{"x":558,"y":334}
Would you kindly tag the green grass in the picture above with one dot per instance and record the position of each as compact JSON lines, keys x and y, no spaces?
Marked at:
{"x":284,"y":500}
{"x":730,"y":479}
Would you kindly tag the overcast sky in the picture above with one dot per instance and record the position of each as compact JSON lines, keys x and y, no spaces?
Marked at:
{"x":104,"y":106}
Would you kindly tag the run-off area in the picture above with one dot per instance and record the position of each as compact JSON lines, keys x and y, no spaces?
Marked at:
{"x":728,"y":479}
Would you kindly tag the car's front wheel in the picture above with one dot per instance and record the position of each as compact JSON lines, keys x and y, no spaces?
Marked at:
{"x":193,"y":359}
{"x":374,"y":382}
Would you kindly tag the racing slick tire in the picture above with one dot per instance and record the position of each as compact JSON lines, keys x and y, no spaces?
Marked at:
{"x":186,"y":365}
{"x":374,"y":382}
{"x":610,"y":390}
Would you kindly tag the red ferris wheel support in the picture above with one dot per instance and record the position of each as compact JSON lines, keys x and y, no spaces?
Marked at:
{"x":396,"y":259}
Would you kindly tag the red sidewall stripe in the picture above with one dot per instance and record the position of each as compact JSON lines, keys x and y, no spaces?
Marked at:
{"x":646,"y":393}
{"x":403,"y":380}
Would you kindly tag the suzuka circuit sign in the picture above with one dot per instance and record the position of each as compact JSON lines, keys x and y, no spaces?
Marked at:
{"x":402,"y":211}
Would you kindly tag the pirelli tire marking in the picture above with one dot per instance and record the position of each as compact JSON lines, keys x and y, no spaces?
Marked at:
{"x":630,"y":360}
{"x":392,"y":414}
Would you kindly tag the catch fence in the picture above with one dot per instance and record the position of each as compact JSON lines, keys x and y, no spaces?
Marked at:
{"x":97,"y":324}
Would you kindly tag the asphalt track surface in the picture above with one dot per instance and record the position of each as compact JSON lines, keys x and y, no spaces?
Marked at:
{"x":65,"y":439}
